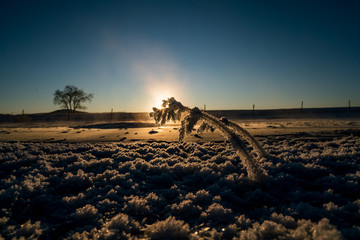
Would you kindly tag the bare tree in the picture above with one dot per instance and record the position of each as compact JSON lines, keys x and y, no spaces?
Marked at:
{"x":72,"y":99}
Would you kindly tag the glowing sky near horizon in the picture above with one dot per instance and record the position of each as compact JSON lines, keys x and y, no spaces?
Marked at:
{"x":225,"y":54}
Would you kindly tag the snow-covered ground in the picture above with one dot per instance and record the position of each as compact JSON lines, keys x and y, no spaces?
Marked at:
{"x":110,"y":132}
{"x":170,"y":190}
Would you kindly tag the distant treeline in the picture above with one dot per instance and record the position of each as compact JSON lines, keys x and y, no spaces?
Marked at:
{"x":61,"y":115}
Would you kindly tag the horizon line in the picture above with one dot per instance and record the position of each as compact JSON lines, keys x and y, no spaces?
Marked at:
{"x":248,"y":109}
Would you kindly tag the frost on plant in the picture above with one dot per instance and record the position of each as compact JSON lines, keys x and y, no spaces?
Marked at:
{"x":245,"y":134}
{"x":173,"y":110}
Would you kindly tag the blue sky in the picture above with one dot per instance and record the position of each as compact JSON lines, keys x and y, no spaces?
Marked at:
{"x":225,"y":54}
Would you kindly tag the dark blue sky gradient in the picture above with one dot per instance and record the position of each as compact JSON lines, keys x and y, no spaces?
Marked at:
{"x":226,"y":54}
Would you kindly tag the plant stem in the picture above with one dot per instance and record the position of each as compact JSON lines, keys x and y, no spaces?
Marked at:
{"x":250,"y":138}
{"x":255,"y":172}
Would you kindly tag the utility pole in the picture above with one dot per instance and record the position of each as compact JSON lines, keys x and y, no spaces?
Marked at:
{"x":302,"y":106}
{"x":111,"y":115}
{"x":349,"y":105}
{"x":253,"y":108}
{"x":204,"y":107}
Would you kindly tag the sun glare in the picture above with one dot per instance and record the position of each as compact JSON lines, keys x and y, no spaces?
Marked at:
{"x":158,"y":93}
{"x":161,"y":78}
{"x":159,"y":97}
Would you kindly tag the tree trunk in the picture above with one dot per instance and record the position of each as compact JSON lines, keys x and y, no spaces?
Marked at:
{"x":68,"y":113}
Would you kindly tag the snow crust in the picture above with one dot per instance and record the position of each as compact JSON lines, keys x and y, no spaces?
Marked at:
{"x":189,"y":190}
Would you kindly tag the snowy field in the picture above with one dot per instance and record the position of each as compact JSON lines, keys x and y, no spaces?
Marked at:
{"x":142,"y":131}
{"x":51,"y":189}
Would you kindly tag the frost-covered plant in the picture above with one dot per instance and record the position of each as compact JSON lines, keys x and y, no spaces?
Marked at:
{"x":245,"y":134}
{"x":173,"y":110}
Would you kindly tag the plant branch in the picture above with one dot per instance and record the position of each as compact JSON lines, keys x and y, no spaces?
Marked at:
{"x":172,"y":110}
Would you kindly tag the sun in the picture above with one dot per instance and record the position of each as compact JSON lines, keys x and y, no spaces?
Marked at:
{"x":158,"y":93}
{"x":157,"y":99}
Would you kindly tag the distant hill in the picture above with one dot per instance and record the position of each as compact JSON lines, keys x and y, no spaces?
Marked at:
{"x":62,"y":115}
{"x":64,"y":111}
{"x":309,"y":113}
{"x":306,"y":113}
{"x":6,"y":117}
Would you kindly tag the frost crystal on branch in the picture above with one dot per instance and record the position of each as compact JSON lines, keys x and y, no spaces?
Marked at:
{"x":244,"y":133}
{"x":189,"y":122}
{"x":205,"y":127}
{"x":171,"y":110}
